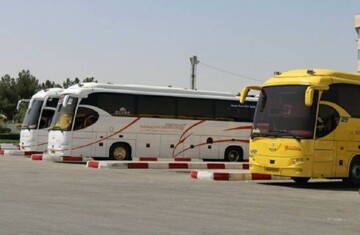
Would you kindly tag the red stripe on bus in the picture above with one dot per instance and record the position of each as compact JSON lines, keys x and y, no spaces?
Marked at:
{"x":181,"y":139}
{"x":107,"y":137}
{"x":239,"y":128}
{"x":217,"y":141}
{"x":42,"y":144}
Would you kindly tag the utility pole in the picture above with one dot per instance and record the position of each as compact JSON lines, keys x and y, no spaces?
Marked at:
{"x":357,"y":28}
{"x":194,"y":61}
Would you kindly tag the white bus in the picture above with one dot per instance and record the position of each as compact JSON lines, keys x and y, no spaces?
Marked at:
{"x":35,"y":127}
{"x":122,"y":122}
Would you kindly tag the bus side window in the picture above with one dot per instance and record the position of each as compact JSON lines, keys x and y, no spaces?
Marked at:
{"x":46,"y":118}
{"x":327,"y":121}
{"x":85,"y":117}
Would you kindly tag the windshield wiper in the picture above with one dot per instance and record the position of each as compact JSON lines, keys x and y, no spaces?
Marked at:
{"x":56,"y":128}
{"x":285,"y":134}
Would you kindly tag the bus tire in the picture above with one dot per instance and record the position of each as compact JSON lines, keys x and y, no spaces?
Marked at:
{"x":120,"y":152}
{"x":233,"y":154}
{"x":354,"y":173}
{"x":300,"y":180}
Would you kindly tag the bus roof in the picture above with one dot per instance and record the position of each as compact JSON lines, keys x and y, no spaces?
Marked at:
{"x":83,"y":89}
{"x":51,"y":92}
{"x":313,"y":76}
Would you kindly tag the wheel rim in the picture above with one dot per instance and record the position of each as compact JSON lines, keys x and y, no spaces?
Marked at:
{"x":120,"y":153}
{"x":233,"y":156}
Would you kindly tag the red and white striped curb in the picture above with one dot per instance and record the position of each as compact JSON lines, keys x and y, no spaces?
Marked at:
{"x":36,"y":157}
{"x":66,"y":158}
{"x":164,"y":165}
{"x":155,"y":159}
{"x":9,"y":147}
{"x":233,"y":176}
{"x":18,"y":152}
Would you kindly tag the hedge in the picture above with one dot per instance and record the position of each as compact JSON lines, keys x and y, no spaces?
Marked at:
{"x":9,"y":136}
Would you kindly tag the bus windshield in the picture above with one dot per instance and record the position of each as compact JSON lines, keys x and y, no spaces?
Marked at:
{"x":281,"y":112}
{"x":64,"y":116}
{"x":32,"y":116}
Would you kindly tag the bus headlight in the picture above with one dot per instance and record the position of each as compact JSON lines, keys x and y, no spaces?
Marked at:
{"x":298,"y":161}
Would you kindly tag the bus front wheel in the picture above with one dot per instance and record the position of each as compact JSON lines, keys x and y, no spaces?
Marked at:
{"x":354,"y":173}
{"x":120,"y":152}
{"x":233,"y":154}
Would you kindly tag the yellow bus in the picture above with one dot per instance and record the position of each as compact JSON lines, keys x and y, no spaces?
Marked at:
{"x":307,"y":125}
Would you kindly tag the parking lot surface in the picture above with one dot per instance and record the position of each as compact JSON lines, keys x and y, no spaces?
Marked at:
{"x":42,"y":197}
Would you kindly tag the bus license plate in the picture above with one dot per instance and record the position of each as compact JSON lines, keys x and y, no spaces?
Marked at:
{"x":272,"y":169}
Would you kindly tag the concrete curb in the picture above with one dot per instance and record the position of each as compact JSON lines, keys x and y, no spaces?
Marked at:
{"x":36,"y":157}
{"x":18,"y":152}
{"x":164,"y":165}
{"x":155,"y":159}
{"x":9,"y":147}
{"x":233,"y":176}
{"x":12,"y":152}
{"x":77,"y":159}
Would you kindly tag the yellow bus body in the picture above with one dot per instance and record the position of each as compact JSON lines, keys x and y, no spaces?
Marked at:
{"x":329,"y":155}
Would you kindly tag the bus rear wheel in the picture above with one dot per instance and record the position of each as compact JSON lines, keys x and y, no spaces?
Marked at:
{"x":120,"y":152}
{"x":300,"y":180}
{"x":233,"y":154}
{"x":354,"y":173}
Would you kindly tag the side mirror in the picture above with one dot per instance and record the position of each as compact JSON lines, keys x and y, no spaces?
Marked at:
{"x":309,"y":96}
{"x":244,"y":92}
{"x":65,"y":100}
{"x":22,"y":101}
{"x":309,"y":93}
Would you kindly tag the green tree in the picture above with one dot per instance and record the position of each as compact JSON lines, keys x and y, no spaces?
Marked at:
{"x":8,"y":96}
{"x":26,"y":85}
{"x":90,"y":79}
{"x":48,"y":84}
{"x":12,"y":90}
{"x":68,"y":82}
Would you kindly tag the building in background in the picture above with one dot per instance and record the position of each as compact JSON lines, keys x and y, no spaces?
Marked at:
{"x":357,"y":28}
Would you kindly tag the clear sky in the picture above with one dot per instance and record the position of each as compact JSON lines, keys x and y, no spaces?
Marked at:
{"x":150,"y":41}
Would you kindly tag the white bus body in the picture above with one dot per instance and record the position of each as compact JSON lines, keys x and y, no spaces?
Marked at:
{"x":123,"y":122}
{"x":35,"y":127}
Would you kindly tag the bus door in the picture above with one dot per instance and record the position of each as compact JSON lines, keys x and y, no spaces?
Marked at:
{"x":43,"y":127}
{"x":82,"y":143}
{"x":84,"y":138}
{"x":325,"y":144}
